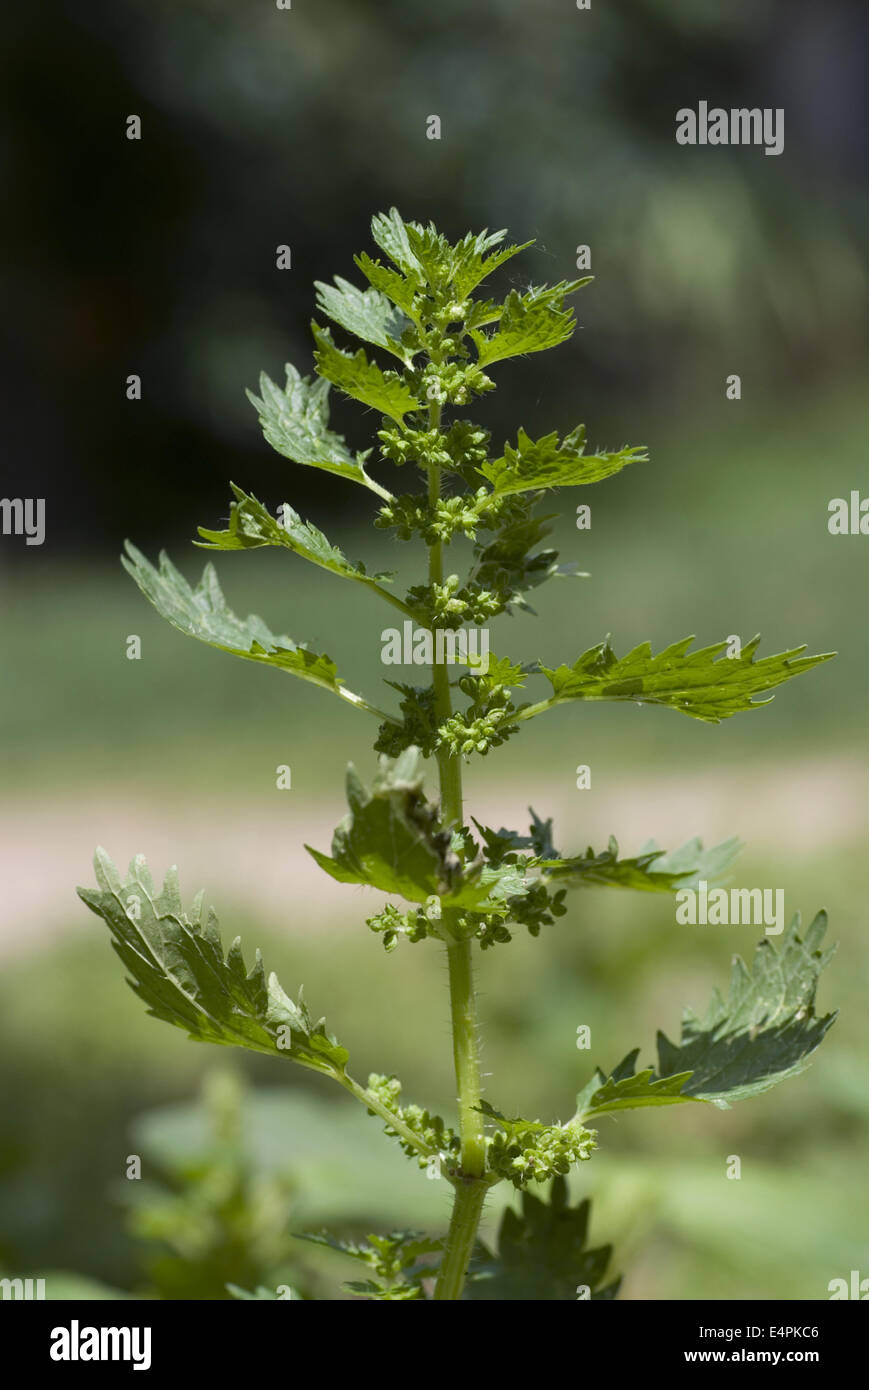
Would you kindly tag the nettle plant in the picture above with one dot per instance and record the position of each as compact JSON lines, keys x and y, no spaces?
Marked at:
{"x":463,"y":887}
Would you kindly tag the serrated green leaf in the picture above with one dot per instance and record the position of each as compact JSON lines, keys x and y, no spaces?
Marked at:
{"x":461,"y":266}
{"x":400,"y":289}
{"x":505,"y":844}
{"x":548,"y":462}
{"x":177,"y":968}
{"x":393,"y":840}
{"x":482,"y":312}
{"x":295,"y":422}
{"x":765,"y":1032}
{"x":695,"y":862}
{"x":626,"y":1089}
{"x":368,"y":314}
{"x":252,"y":525}
{"x":541,"y":1255}
{"x":361,"y":379}
{"x":703,"y":684}
{"x":652,"y":871}
{"x":529,"y":322}
{"x":202,"y":613}
{"x":471,"y":264}
{"x":426,"y":256}
{"x":389,"y":230}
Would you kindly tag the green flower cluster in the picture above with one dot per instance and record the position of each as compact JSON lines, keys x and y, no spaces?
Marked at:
{"x":431,"y":1129}
{"x":460,"y":449}
{"x":411,"y":514}
{"x":488,"y":720}
{"x":453,"y":604}
{"x":524,"y":1152}
{"x":392,"y":923}
{"x":466,"y":734}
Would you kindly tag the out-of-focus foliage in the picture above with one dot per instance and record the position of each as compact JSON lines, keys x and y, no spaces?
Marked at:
{"x":212,"y":1218}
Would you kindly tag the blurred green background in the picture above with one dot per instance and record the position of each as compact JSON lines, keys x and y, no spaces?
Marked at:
{"x":264,"y":127}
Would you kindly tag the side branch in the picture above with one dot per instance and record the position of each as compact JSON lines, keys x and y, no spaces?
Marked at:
{"x":373,"y":1102}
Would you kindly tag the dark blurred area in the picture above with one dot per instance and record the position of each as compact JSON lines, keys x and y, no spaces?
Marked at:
{"x":263,"y":127}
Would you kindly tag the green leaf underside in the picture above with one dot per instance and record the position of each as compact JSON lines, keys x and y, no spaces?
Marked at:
{"x":529,"y":322}
{"x":369,"y":314}
{"x":389,"y":231}
{"x":763,"y":1033}
{"x":703,"y":684}
{"x":541,"y":1255}
{"x":378,"y":844}
{"x":177,"y":967}
{"x":391,"y":840}
{"x":295,"y":422}
{"x":361,"y":379}
{"x":652,"y":871}
{"x":202,"y":613}
{"x":252,"y":525}
{"x":548,"y":462}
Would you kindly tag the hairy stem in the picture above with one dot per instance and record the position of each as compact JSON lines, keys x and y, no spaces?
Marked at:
{"x":470,"y":1184}
{"x":466,"y":1054}
{"x":467,"y":1209}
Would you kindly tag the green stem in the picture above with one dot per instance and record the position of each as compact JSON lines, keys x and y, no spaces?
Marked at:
{"x":375,"y":487}
{"x":470,"y":1184}
{"x":466,"y":1055}
{"x":359,"y":702}
{"x":530,"y":711}
{"x":396,"y":602}
{"x":467,"y":1209}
